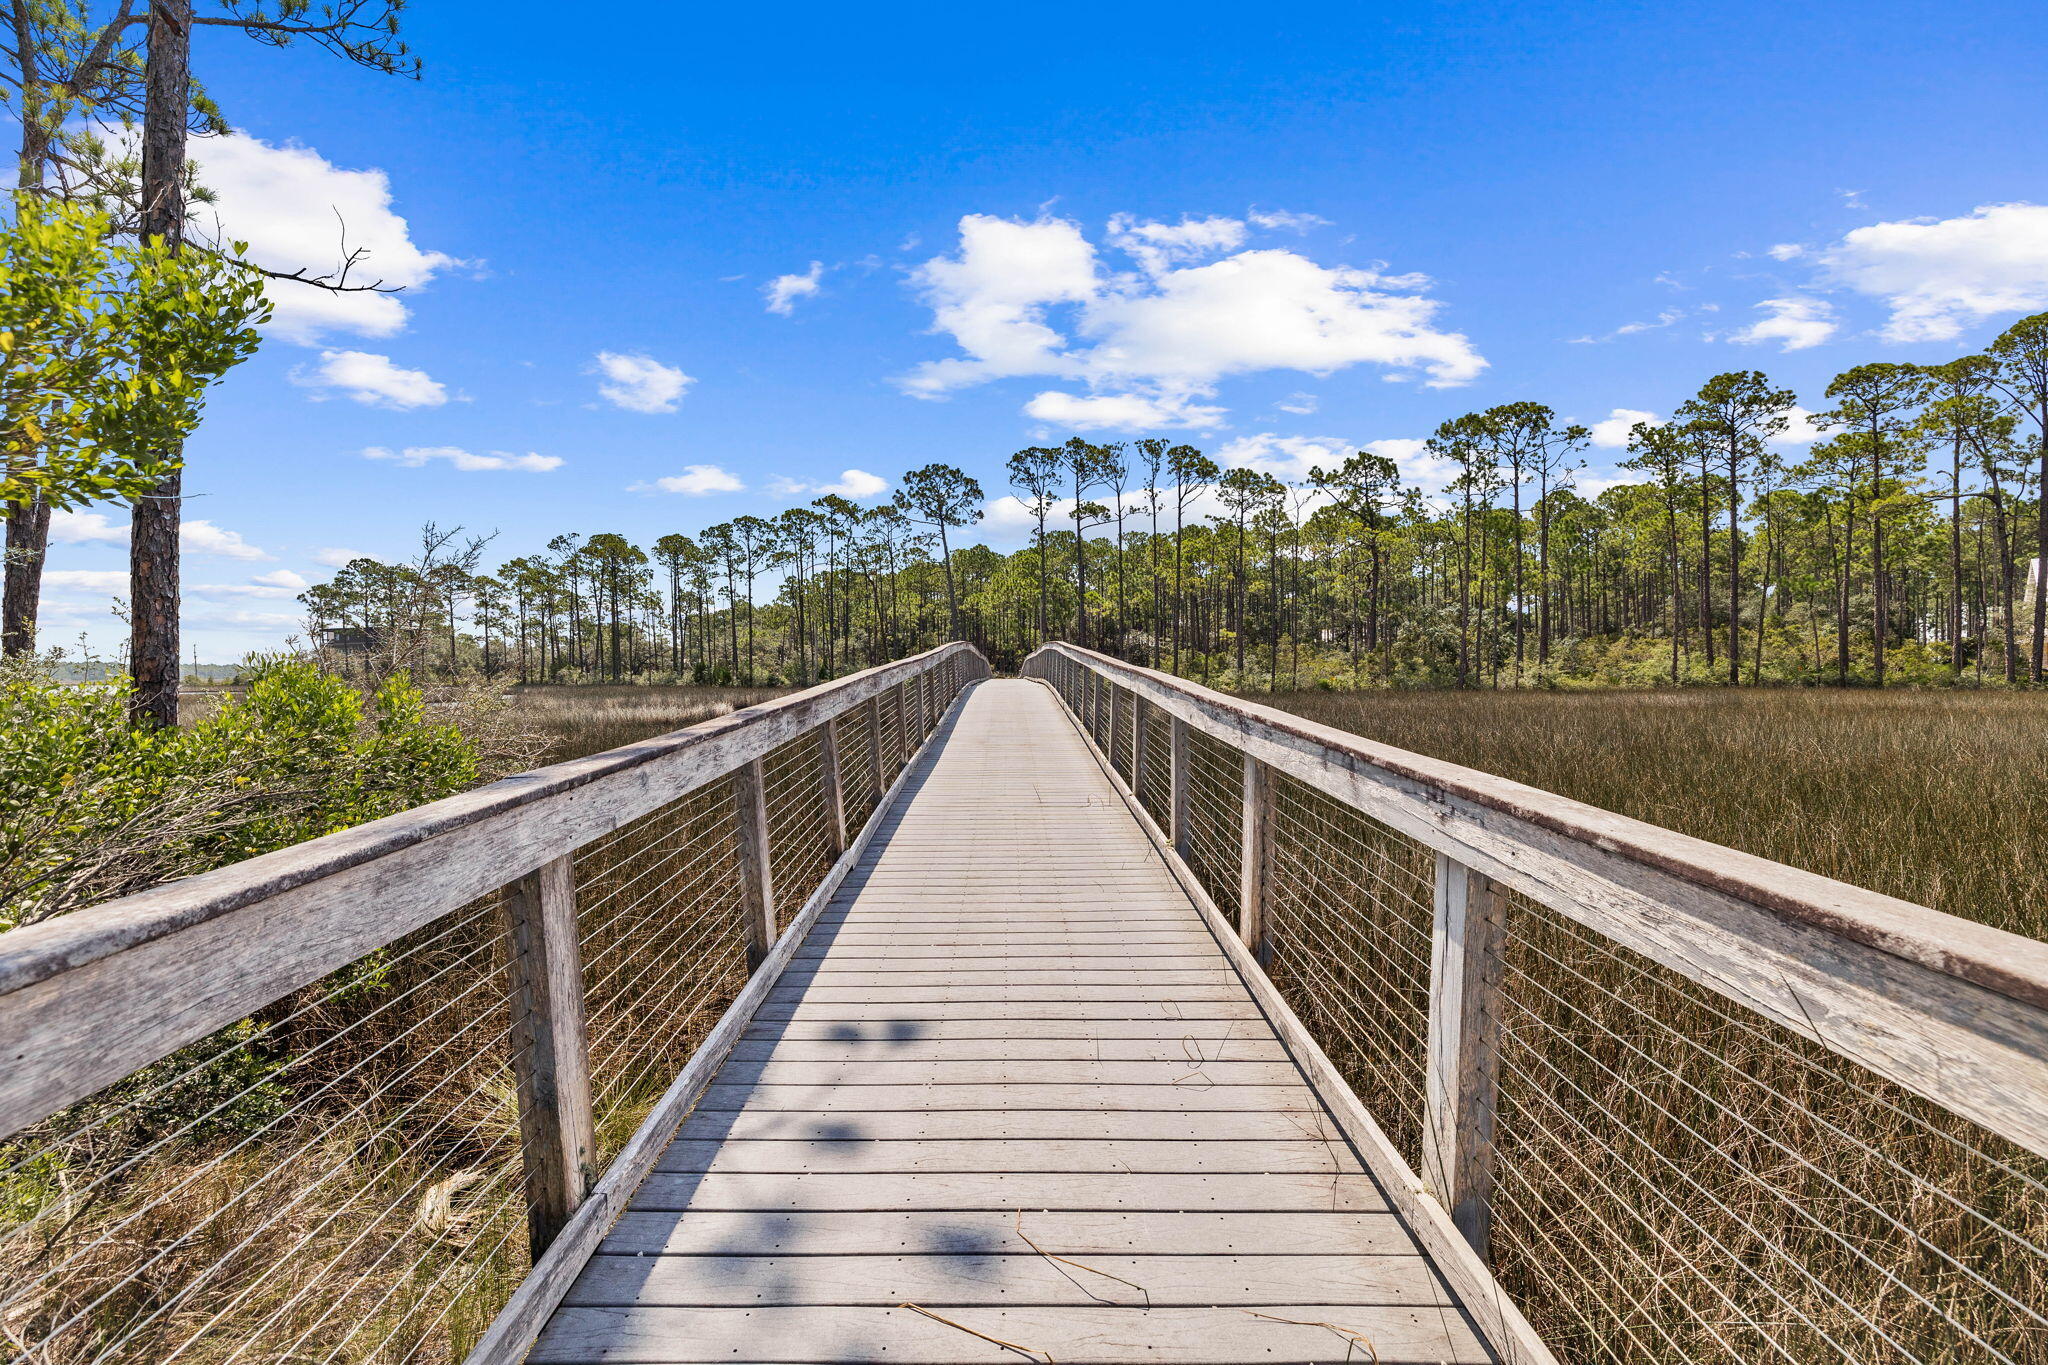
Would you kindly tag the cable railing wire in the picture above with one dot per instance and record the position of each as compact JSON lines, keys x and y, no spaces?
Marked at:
{"x":337,"y":1178}
{"x":1677,"y":1179}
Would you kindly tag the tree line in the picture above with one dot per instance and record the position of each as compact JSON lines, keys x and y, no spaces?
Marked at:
{"x":1906,"y":543}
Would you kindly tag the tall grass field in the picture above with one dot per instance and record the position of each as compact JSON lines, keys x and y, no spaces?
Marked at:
{"x":1935,"y":797}
{"x":1681,"y":1180}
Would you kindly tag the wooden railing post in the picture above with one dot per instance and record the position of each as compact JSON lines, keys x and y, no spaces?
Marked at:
{"x":902,"y":754}
{"x":831,"y":788}
{"x":550,"y":1050}
{"x":1255,"y":848}
{"x":875,"y":779}
{"x":1177,"y":786}
{"x":1465,"y":973}
{"x":1115,"y":727}
{"x":757,"y":879}
{"x":1141,"y":724}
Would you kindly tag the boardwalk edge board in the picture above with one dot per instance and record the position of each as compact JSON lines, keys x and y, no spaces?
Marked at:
{"x":519,"y":1322}
{"x":1498,"y":1321}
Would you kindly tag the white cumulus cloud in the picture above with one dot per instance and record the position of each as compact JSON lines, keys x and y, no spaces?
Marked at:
{"x":992,"y":298}
{"x":1611,"y":431}
{"x":1267,"y":310}
{"x":202,"y":537}
{"x":413,"y":457}
{"x":640,"y":383}
{"x":371,"y":379}
{"x":84,"y":528}
{"x":1939,"y":276}
{"x":298,"y":211}
{"x":1157,"y":246}
{"x":337,"y":556}
{"x":196,"y":536}
{"x":280,"y":583}
{"x":696,"y":481}
{"x":1290,"y":458}
{"x":1799,"y":429}
{"x":1287,"y":458}
{"x":1280,"y":220}
{"x":113,"y":582}
{"x":1035,"y":298}
{"x":1796,"y":322}
{"x":851,"y":483}
{"x":1121,"y":411}
{"x":783,"y":291}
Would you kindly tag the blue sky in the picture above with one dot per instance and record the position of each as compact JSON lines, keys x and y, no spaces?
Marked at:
{"x":1277,"y":234}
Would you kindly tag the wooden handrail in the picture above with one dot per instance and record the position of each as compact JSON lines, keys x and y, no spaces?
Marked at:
{"x":1953,"y":1010}
{"x":90,"y":997}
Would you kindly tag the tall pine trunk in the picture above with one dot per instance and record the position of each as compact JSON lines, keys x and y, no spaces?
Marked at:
{"x":28,"y":519}
{"x":28,"y":539}
{"x":153,"y":534}
{"x":2040,"y":659}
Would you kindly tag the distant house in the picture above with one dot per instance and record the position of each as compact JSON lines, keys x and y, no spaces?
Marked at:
{"x":361,"y":642}
{"x":351,"y":640}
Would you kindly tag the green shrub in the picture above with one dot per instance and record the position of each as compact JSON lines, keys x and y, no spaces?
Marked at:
{"x":91,"y":809}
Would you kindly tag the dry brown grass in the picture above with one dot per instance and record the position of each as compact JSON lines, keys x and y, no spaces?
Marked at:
{"x":1934,"y":797}
{"x":1681,"y":1181}
{"x":589,"y":720}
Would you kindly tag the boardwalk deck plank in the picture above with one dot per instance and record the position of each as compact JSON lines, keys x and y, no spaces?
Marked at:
{"x":1138,"y":1125}
{"x":987,"y":1232}
{"x":1008,"y":1049}
{"x":866,"y":1154}
{"x":888,"y":1071}
{"x":1289,"y":1335}
{"x":1010,"y":1005}
{"x":949,"y":1279}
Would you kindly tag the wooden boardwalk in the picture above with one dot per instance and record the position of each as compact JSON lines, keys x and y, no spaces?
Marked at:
{"x":1010,"y":1102}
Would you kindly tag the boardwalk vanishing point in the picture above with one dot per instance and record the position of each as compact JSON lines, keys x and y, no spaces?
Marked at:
{"x":1011,"y":1101}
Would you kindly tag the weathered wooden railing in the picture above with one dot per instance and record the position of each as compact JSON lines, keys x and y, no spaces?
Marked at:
{"x":303,"y":1107}
{"x":1531,"y":998}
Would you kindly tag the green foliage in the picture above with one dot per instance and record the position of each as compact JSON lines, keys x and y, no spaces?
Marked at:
{"x":221,"y":1085}
{"x":110,"y":347}
{"x":91,"y":808}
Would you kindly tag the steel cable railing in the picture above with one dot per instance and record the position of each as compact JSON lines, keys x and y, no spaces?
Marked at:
{"x":1671,"y":1175}
{"x":361,"y":1167}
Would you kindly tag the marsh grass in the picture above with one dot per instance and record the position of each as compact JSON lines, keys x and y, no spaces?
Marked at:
{"x":1680,"y":1180}
{"x":589,"y":720}
{"x":1937,"y":797}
